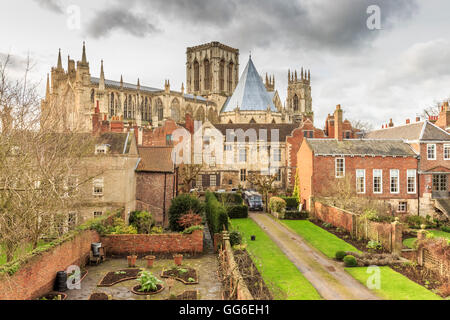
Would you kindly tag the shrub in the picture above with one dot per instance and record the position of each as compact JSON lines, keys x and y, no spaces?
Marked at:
{"x":143,"y":221}
{"x":374,"y":245}
{"x":120,"y":227}
{"x":350,"y":261}
{"x":291,"y":202}
{"x":192,"y":229}
{"x":235,"y":238}
{"x":156,"y":230}
{"x":229,"y":198}
{"x":148,"y":281}
{"x":237,"y":211}
{"x":181,"y":205}
{"x":372,"y":215}
{"x":445,"y":228}
{"x":295,"y":215}
{"x":415,"y":222}
{"x":189,"y":220}
{"x":277,"y":204}
{"x":216,"y":214}
{"x":340,"y":255}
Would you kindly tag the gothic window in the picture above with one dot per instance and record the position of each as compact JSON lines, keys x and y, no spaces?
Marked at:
{"x":147,"y":110}
{"x":130,"y":107}
{"x":295,"y":103}
{"x":207,"y":71}
{"x":175,"y":110}
{"x":92,"y":96}
{"x":222,"y":75}
{"x":200,"y":114}
{"x":211,"y":115}
{"x":189,"y":110}
{"x":196,"y":76}
{"x":160,"y":109}
{"x":125,"y":108}
{"x":230,"y":76}
{"x":111,"y":104}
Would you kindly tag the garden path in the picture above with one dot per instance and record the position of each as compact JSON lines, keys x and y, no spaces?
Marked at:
{"x":327,"y":276}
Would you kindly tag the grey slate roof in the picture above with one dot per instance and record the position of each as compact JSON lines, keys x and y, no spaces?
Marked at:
{"x":250,"y":93}
{"x":423,"y":130}
{"x":119,"y":143}
{"x":361,"y":147}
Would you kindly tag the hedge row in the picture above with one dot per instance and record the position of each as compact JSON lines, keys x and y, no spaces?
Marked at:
{"x":291,"y":202}
{"x":229,"y":198}
{"x":237,"y":211}
{"x":216,"y":214}
{"x":295,"y":215}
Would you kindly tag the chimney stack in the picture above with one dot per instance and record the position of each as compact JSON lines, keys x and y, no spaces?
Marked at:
{"x":391,"y":124}
{"x":408,"y":121}
{"x":338,"y":123}
{"x":417,"y":119}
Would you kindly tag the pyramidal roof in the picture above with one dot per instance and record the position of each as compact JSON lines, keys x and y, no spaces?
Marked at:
{"x":250,"y":93}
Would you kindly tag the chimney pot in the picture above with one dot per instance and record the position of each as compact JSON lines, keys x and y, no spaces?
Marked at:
{"x":408,"y":121}
{"x":417,"y":119}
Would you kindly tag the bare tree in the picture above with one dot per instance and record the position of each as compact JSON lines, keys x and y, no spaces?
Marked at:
{"x":264,"y":183}
{"x":188,"y":174}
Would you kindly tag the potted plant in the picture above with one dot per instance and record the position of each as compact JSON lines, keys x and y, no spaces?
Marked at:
{"x":178,"y":259}
{"x":150,"y":259}
{"x":132,"y":259}
{"x":148,"y":284}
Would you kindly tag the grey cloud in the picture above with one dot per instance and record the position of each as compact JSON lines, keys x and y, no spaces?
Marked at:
{"x":294,"y":24}
{"x":118,"y":18}
{"x":52,"y":5}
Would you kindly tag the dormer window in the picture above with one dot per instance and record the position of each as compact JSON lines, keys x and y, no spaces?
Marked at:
{"x":101,"y":149}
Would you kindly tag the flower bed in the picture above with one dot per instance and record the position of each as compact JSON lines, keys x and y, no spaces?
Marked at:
{"x":114,"y":277}
{"x":185,"y":275}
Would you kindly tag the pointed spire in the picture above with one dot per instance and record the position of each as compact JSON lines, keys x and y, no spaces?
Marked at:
{"x":309,"y":74}
{"x":121,"y":81}
{"x":302,"y":73}
{"x":83,"y":57}
{"x":267,"y":79}
{"x":182,"y":88}
{"x":102,"y":78}
{"x":289,"y":75}
{"x":59,"y":66}
{"x":139,"y":84}
{"x":273,"y":81}
{"x":295,"y":75}
{"x":47,"y":90}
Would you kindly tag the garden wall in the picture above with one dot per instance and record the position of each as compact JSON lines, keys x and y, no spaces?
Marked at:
{"x":143,"y":244}
{"x":388,"y":234}
{"x":36,"y":277}
{"x":434,"y":255}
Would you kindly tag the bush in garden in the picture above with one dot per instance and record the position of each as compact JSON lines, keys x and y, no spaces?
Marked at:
{"x":276,"y":204}
{"x":190,"y":219}
{"x":180,"y":206}
{"x":291,"y":202}
{"x":192,"y":229}
{"x":216,"y":214}
{"x":229,"y":198}
{"x":340,"y":255}
{"x":445,"y":229}
{"x":143,"y":221}
{"x":120,"y":227}
{"x":235,"y":238}
{"x":237,"y":211}
{"x":350,"y":261}
{"x":295,"y":215}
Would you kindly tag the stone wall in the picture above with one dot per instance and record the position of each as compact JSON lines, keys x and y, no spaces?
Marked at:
{"x":37,"y":276}
{"x":143,"y":244}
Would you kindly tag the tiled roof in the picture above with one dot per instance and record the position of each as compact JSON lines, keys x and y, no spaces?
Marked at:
{"x":155,"y":159}
{"x":361,"y":147}
{"x":423,"y":130}
{"x":284,"y":129}
{"x":250,"y":93}
{"x":119,"y":143}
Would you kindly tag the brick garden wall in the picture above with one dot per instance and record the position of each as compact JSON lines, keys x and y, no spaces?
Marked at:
{"x":37,"y":276}
{"x":143,"y":244}
{"x":337,"y":217}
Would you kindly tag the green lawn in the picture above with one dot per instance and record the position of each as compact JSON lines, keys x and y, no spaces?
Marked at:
{"x":322,"y":240}
{"x":393,"y":285}
{"x":275,"y":268}
{"x":437,"y":234}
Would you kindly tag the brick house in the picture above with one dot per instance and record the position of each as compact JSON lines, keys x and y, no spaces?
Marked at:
{"x":432,"y":144}
{"x":156,"y":182}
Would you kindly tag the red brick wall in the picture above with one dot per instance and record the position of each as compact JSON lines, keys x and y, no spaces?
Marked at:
{"x":305,"y":171}
{"x":37,"y":277}
{"x":157,"y":137}
{"x":143,"y":244}
{"x":150,"y":194}
{"x":337,"y":217}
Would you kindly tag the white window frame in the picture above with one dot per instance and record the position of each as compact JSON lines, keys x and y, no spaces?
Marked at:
{"x":101,"y":149}
{"x":446,"y":147}
{"x":199,"y":180}
{"x":277,"y":155}
{"x":359,"y":176}
{"x":406,"y":206}
{"x":336,"y":168}
{"x":212,"y":178}
{"x":394,"y":173}
{"x":411,"y":173}
{"x":434,"y":151}
{"x":242,"y":151}
{"x":98,"y":183}
{"x":243,"y":175}
{"x":381,"y":181}
{"x":98,"y":214}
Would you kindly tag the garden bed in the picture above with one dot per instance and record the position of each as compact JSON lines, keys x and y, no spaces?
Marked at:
{"x":422,"y":276}
{"x":136,"y":289}
{"x":114,"y":277}
{"x":185,"y":275}
{"x":54,"y":296}
{"x":342,"y":234}
{"x":98,"y":296}
{"x":253,"y":279}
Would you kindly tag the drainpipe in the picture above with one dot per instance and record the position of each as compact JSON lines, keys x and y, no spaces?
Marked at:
{"x":164,"y":202}
{"x":418,"y":185}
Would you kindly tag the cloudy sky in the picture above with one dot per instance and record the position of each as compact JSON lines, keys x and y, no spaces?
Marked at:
{"x":375,"y":75}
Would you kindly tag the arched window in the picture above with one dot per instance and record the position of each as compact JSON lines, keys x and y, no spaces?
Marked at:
{"x":111,"y":106}
{"x":131,"y":108}
{"x":175,"y":110}
{"x":230,"y":77}
{"x":189,"y":110}
{"x":222,"y":75}
{"x":160,"y":110}
{"x":92,"y":96}
{"x":207,"y":70}
{"x":295,"y":102}
{"x":200,"y":114}
{"x":125,"y":108}
{"x":212,"y":115}
{"x":196,"y":76}
{"x":146,"y":110}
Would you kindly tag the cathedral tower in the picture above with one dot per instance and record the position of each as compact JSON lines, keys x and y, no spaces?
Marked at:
{"x":299,"y":100}
{"x":212,"y":69}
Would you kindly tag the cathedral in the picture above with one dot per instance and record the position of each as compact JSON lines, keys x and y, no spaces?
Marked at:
{"x":214,"y":93}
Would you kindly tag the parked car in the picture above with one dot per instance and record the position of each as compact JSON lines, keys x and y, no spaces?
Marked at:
{"x":253,"y":200}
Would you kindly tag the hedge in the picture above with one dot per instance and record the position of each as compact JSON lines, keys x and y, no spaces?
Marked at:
{"x":291,"y":202}
{"x":180,"y":206}
{"x":295,"y":215}
{"x":237,"y":211}
{"x":216,"y":214}
{"x":229,"y":198}
{"x":277,"y":204}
